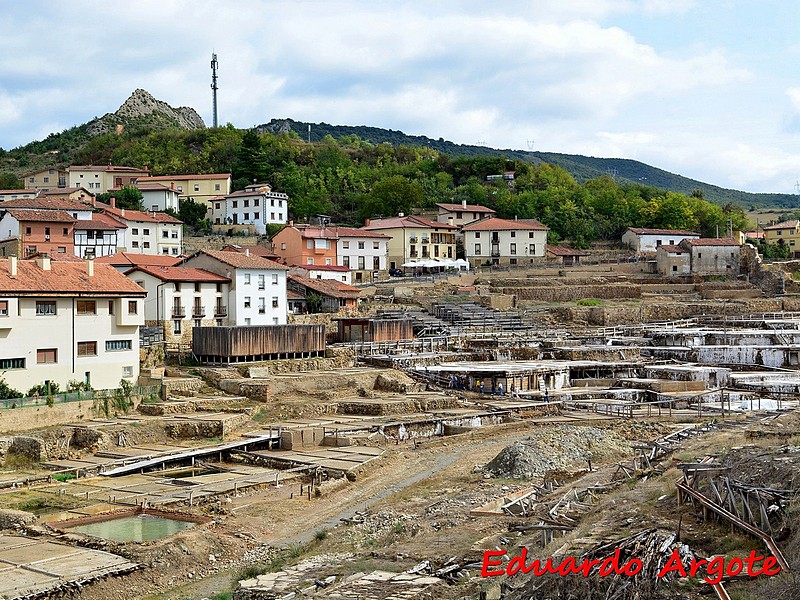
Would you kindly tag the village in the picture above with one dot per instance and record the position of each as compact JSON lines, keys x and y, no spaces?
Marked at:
{"x":286,"y":410}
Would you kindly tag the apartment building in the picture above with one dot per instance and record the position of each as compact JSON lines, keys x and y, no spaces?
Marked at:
{"x":505,"y":242}
{"x":46,"y":179}
{"x":413,"y":238}
{"x":252,"y":208}
{"x":200,"y":188}
{"x":68,"y":321}
{"x":149,"y":232}
{"x":24,"y":232}
{"x":99,"y":179}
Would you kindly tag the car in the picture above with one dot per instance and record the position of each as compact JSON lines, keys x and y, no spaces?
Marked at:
{"x":396,"y":272}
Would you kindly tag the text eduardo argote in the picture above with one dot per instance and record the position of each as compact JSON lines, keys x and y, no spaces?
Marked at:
{"x":712,"y":570}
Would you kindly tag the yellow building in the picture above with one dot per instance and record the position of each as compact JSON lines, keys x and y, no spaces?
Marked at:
{"x":787,"y":233}
{"x":415,"y":238}
{"x":46,"y":179}
{"x":200,"y":188}
{"x":99,"y":179}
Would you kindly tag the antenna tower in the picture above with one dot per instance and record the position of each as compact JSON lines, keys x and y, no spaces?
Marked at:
{"x":214,"y":65}
{"x":797,"y":187}
{"x":530,"y":145}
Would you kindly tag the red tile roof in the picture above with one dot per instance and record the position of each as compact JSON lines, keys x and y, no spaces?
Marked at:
{"x":261,"y":251}
{"x":140,"y":215}
{"x":496,"y":224}
{"x":412,"y":221}
{"x":562,"y":251}
{"x":96,"y":225}
{"x":113,"y":168}
{"x":181,"y":274}
{"x":53,"y":216}
{"x":239,"y":260}
{"x":108,"y":220}
{"x":335,"y":268}
{"x":124,"y":259}
{"x":65,"y":191}
{"x":646,"y":231}
{"x":46,"y":203}
{"x":158,"y":178}
{"x":672,"y":248}
{"x":327,"y":287}
{"x":65,"y":279}
{"x":6,"y":192}
{"x":712,"y":242}
{"x":793,"y":224}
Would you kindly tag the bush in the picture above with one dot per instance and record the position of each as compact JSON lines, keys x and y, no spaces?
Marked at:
{"x":44,"y":390}
{"x":7,"y":392}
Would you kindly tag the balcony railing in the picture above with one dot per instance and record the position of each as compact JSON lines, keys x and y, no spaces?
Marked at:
{"x":198,"y":311}
{"x":220,"y":310}
{"x":178,"y":311}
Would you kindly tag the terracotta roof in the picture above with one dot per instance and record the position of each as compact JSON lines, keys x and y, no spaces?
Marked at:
{"x":65,"y":279}
{"x":562,"y":251}
{"x":412,"y":221}
{"x":108,"y":220}
{"x":335,"y":232}
{"x":462,"y":208}
{"x":794,"y":223}
{"x":328,"y":287}
{"x":646,"y":231}
{"x":496,"y":224}
{"x":292,"y":295}
{"x":239,"y":260}
{"x":54,"y":216}
{"x":132,"y":259}
{"x":712,"y":242}
{"x":359,"y":232}
{"x":52,"y":203}
{"x":105,"y":168}
{"x":156,"y":178}
{"x":60,"y":256}
{"x":261,"y":251}
{"x":672,"y":248}
{"x":140,"y":216}
{"x":31,"y":192}
{"x":335,"y":268}
{"x":181,"y":274}
{"x":65,"y":191}
{"x":146,"y":185}
{"x":95,"y":225}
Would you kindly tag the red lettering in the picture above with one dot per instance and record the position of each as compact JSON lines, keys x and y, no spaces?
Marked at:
{"x":548,"y":568}
{"x":632,"y":567}
{"x":695,"y":566}
{"x":673,"y":563}
{"x":750,"y":560}
{"x":517,"y":564}
{"x":588,"y":565}
{"x":730,"y":568}
{"x":771,"y":566}
{"x":715,"y":570}
{"x":611,"y":564}
{"x":488,"y":562}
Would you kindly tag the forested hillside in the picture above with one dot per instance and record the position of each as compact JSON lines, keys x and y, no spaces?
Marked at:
{"x":352,"y":179}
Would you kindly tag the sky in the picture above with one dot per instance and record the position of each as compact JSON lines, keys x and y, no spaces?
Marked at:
{"x":708,"y":89}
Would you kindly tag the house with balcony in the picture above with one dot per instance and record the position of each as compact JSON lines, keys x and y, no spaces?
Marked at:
{"x":25,"y":232}
{"x":250,"y":209}
{"x":99,"y":179}
{"x":182,"y":298}
{"x":462,"y":214}
{"x":414,"y":238}
{"x":45,"y":179}
{"x":505,"y":242}
{"x":305,"y":245}
{"x":64,"y":321}
{"x":197,"y":187}
{"x":148,"y":232}
{"x":257,"y":290}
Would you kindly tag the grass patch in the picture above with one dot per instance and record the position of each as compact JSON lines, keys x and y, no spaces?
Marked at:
{"x":590,"y":302}
{"x":320,"y":535}
{"x":17,"y":461}
{"x":222,"y":596}
{"x":62,"y":477}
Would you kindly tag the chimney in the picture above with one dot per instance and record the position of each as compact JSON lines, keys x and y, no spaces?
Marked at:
{"x":113,"y":202}
{"x":90,"y":267}
{"x":464,"y":204}
{"x":12,"y":265}
{"x":247,"y":251}
{"x":401,"y":215}
{"x":366,"y":222}
{"x":121,"y":212}
{"x":291,"y":222}
{"x":94,"y":202}
{"x":515,"y":217}
{"x":43,"y":261}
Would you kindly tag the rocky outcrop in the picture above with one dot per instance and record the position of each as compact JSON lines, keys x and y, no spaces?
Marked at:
{"x":142,"y":108}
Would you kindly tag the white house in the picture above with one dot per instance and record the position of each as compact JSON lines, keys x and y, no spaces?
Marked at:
{"x":333,"y":272}
{"x":253,"y":207}
{"x":157,"y":197}
{"x":78,"y":210}
{"x":504,"y":241}
{"x":149,"y":232}
{"x":68,"y":321}
{"x":462,"y":214}
{"x":181,"y":298}
{"x":99,"y":236}
{"x":257,"y":292}
{"x":643,"y":240}
{"x":362,"y":251}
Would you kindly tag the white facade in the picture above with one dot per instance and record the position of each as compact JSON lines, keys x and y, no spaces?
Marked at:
{"x":319,"y":272}
{"x":648,"y":240}
{"x":158,"y":197}
{"x":507,"y":247}
{"x":254,"y":207}
{"x":63,"y":337}
{"x":362,"y":253}
{"x":146,"y":237}
{"x":96,"y":242}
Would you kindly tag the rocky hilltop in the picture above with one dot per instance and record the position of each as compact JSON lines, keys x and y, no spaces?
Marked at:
{"x":142,"y":109}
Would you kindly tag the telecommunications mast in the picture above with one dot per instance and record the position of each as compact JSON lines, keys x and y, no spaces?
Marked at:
{"x":214,"y":65}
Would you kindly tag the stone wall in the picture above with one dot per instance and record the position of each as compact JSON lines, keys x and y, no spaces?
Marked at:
{"x":573,"y":293}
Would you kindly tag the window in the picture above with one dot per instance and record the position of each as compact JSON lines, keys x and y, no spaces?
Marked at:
{"x":3,"y":308}
{"x":247,"y":301}
{"x":66,"y":231}
{"x":87,"y":348}
{"x":247,"y":278}
{"x":256,"y":215}
{"x":196,"y":187}
{"x":145,"y":232}
{"x":216,"y":187}
{"x":247,"y":216}
{"x":197,"y":323}
{"x":530,"y":235}
{"x":133,"y":307}
{"x":235,"y":204}
{"x":262,"y":282}
{"x":674,"y":268}
{"x":165,"y":234}
{"x":346,"y":245}
{"x":47,"y":356}
{"x":145,"y":244}
{"x":118,"y":345}
{"x":309,"y":261}
{"x":45,"y":307}
{"x":360,"y":245}
{"x":360,"y":263}
{"x":219,"y":322}
{"x":27,"y":231}
{"x":513,"y":234}
{"x":513,"y":248}
{"x":255,"y":202}
{"x":219,"y":288}
{"x":246,"y":203}
{"x":477,"y":235}
{"x":135,"y":244}
{"x":274,"y":279}
{"x":11,"y":363}
{"x":63,"y":250}
{"x":477,"y":249}
{"x":135,"y":231}
{"x":376,"y":245}
{"x":272,"y":202}
{"x":512,"y":261}
{"x":86,"y":307}
{"x":174,"y":250}
{"x":46,"y":180}
{"x":283,"y":245}
{"x":272,"y":216}
{"x":176,"y":326}
{"x":532,"y":249}
{"x":180,"y":189}
{"x":127,"y":371}
{"x":262,"y":306}
{"x":247,"y":321}
{"x":111,"y":307}
{"x":327,"y":261}
{"x":346,"y":261}
{"x":177,"y":286}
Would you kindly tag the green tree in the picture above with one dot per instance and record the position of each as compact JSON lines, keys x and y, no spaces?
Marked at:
{"x":9,"y":181}
{"x":7,"y":392}
{"x":129,"y":197}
